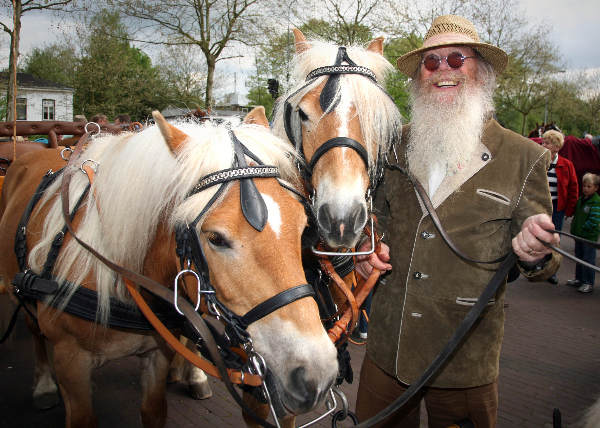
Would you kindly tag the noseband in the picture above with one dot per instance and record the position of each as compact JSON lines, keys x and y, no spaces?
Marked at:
{"x":189,"y":248}
{"x":329,"y":100}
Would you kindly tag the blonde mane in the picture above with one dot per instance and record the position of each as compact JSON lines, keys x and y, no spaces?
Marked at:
{"x":139,"y":184}
{"x":378,"y":115}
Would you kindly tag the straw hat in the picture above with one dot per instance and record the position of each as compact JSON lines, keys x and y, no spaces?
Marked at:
{"x":452,"y":30}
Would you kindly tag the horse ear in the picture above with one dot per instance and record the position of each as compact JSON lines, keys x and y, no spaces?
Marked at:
{"x":376,"y":46}
{"x":173,"y":136}
{"x":257,"y":116}
{"x":301,"y":43}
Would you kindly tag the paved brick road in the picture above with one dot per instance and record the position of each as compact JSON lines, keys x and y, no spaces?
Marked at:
{"x":550,"y":358}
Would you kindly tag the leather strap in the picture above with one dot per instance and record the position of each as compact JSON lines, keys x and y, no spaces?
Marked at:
{"x":353,"y":306}
{"x":338,"y":142}
{"x":360,"y":294}
{"x":277,"y":301}
{"x":234,"y":375}
{"x":464,"y":327}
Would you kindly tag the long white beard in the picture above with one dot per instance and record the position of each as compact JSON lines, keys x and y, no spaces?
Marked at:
{"x":444,"y":136}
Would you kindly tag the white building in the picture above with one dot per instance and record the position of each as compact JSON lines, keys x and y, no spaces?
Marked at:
{"x":39,"y":99}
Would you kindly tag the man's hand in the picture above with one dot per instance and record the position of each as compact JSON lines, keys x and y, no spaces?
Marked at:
{"x":365,"y":264}
{"x":527,"y":245}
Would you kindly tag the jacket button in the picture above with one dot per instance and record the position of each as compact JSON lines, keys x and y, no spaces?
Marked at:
{"x":420,"y":275}
{"x":427,"y":235}
{"x":485,"y":157}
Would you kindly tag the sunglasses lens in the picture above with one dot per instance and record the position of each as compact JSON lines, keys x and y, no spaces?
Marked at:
{"x":431,"y":62}
{"x":455,"y":60}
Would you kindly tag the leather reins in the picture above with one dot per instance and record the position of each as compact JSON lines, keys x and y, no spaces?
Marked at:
{"x":499,"y":277}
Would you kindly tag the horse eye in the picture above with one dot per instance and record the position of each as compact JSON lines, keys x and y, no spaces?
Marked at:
{"x":303,"y":116}
{"x":217,"y":240}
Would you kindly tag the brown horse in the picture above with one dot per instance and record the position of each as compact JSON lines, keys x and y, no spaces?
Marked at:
{"x":139,"y":195}
{"x":343,"y":123}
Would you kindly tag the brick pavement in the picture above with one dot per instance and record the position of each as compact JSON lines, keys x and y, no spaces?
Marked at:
{"x":550,"y":358}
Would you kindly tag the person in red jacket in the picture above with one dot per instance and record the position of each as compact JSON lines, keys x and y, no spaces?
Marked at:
{"x":562,"y":181}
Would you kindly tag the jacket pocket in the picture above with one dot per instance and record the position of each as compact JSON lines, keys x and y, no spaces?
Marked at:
{"x":494,"y":196}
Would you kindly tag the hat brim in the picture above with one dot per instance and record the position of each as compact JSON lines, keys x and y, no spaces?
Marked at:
{"x":496,"y":57}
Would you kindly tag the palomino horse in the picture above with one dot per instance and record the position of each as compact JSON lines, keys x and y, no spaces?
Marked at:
{"x":342,"y":121}
{"x":146,"y":186}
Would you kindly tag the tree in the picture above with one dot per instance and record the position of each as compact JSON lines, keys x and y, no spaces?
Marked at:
{"x":184,"y":75}
{"x":17,"y":8}
{"x":114,"y":77}
{"x":212,"y":25}
{"x":527,"y":81}
{"x":397,"y":83}
{"x":259,"y":96}
{"x":347,"y":23}
{"x":55,"y":62}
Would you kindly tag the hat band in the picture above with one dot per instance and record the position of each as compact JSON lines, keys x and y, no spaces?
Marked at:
{"x":448,"y":39}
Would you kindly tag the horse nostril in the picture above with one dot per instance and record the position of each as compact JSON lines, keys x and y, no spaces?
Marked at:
{"x":324,"y":218}
{"x":358,"y":218}
{"x":303,"y":388}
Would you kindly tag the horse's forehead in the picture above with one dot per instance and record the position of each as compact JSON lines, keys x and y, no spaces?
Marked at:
{"x":282,"y":209}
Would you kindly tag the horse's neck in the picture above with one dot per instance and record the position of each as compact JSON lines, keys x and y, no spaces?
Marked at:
{"x":160,"y":263}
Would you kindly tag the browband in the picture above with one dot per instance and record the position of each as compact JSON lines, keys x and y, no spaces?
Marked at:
{"x":341,"y":69}
{"x":224,"y":175}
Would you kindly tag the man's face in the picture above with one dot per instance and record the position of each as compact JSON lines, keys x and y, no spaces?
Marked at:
{"x":446,"y":81}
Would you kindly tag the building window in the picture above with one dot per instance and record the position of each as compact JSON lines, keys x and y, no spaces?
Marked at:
{"x":47,"y":109}
{"x":21,"y":108}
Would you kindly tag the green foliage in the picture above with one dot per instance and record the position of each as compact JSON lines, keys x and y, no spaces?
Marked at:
{"x":55,"y":62}
{"x":397,"y":83}
{"x":114,"y":77}
{"x":3,"y":105}
{"x":259,"y":96}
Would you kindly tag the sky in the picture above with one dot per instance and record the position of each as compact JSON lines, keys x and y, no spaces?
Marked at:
{"x":574,"y":28}
{"x":573,"y":25}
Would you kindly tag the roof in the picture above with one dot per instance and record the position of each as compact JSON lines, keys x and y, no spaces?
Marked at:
{"x":26,"y":80}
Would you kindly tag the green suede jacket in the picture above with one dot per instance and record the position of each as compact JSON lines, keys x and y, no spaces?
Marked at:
{"x":430,"y":290}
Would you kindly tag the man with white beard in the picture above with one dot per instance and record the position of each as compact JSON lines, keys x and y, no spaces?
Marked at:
{"x":489,"y":188}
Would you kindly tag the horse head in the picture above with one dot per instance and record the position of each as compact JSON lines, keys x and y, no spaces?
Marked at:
{"x":251,"y":259}
{"x":342,"y":122}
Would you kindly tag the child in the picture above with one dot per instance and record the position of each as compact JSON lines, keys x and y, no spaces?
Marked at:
{"x":585,"y":225}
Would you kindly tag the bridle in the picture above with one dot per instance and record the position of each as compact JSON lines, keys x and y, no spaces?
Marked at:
{"x":190,"y":252}
{"x":329,"y":99}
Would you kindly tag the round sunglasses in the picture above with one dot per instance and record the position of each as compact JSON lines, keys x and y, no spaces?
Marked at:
{"x":454,"y":60}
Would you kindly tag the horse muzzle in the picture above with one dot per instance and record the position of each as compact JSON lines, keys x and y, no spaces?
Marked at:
{"x":301,"y":393}
{"x":341,"y":227}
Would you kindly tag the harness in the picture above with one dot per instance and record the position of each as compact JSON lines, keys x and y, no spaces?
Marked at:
{"x":251,"y":371}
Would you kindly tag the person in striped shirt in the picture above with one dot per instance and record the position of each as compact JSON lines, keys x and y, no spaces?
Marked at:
{"x":562,"y":181}
{"x":585,"y":224}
